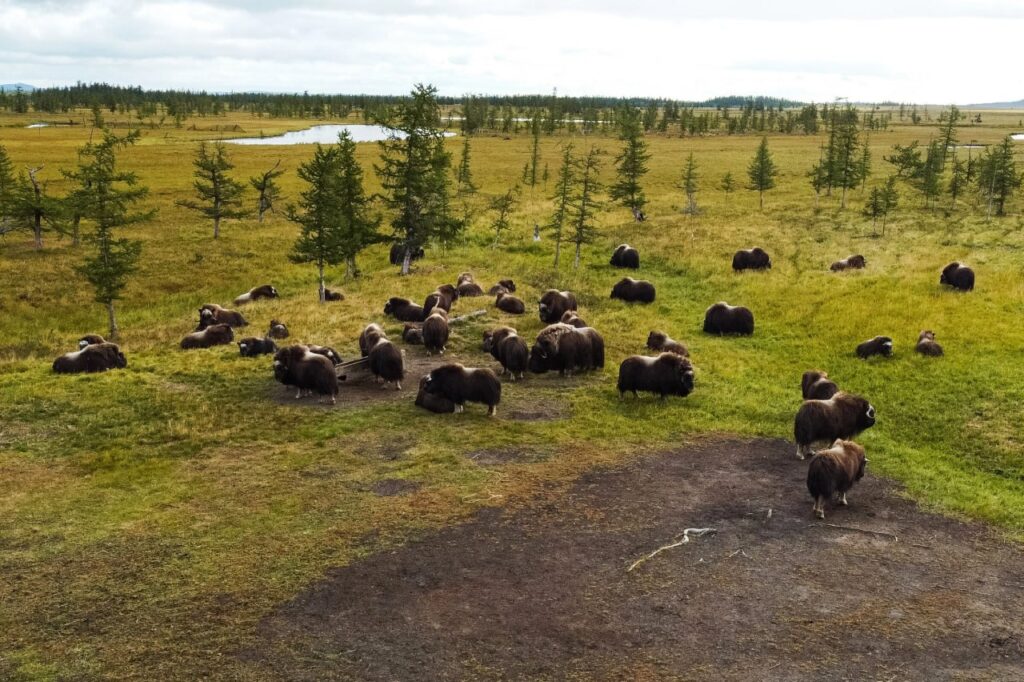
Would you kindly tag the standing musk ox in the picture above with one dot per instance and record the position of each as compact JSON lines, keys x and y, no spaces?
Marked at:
{"x":251,"y":346}
{"x":564,"y":348}
{"x":661,"y":342}
{"x":278,"y":330}
{"x":503,"y":286}
{"x":255,"y":294}
{"x":386,"y":363}
{"x":398,"y":254}
{"x":463,"y":385}
{"x":842,"y":416}
{"x":625,"y":256}
{"x":751,"y":259}
{"x":403,"y":310}
{"x":326,"y":351}
{"x":857,"y":262}
{"x":211,"y":313}
{"x":442,"y":297}
{"x":957,"y":276}
{"x":633,"y":290}
{"x":95,"y":357}
{"x":369,"y":337}
{"x":816,"y":385}
{"x":508,"y":348}
{"x":433,"y":401}
{"x":297,"y":366}
{"x":214,"y":335}
{"x":510,"y":304}
{"x":927,"y":345}
{"x":722,"y":318}
{"x":667,"y":374}
{"x":880,"y":345}
{"x":89,"y":340}
{"x":435,"y":331}
{"x":412,"y":334}
{"x":834,"y":471}
{"x":570,"y":317}
{"x":553,"y":304}
{"x":331,"y":295}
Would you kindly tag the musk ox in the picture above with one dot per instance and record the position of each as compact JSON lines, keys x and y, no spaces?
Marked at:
{"x":815,"y":385}
{"x":661,"y":342}
{"x":834,"y":471}
{"x":412,"y":334}
{"x":722,"y":318}
{"x":435,"y":331}
{"x":570,"y":317}
{"x":398,"y":254}
{"x":214,"y":335}
{"x":504,"y":285}
{"x":251,"y":346}
{"x":957,"y":276}
{"x":553,"y":304}
{"x":469,"y":289}
{"x":509,"y":304}
{"x":463,"y":385}
{"x":387,"y":363}
{"x":278,"y":330}
{"x":306,"y":371}
{"x":326,"y":351}
{"x":857,"y":262}
{"x":331,"y":295}
{"x":433,"y":401}
{"x":880,"y":345}
{"x":403,"y":310}
{"x":564,"y":348}
{"x":625,"y":256}
{"x":369,"y":337}
{"x":89,"y":340}
{"x":442,"y":297}
{"x":751,"y":259}
{"x":667,"y":374}
{"x":927,"y":345}
{"x":844,"y":415}
{"x":95,"y":357}
{"x":256,"y":293}
{"x":211,"y":313}
{"x":463,"y":278}
{"x":633,"y":290}
{"x":508,"y":348}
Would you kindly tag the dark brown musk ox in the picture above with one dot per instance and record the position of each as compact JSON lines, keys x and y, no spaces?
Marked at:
{"x":857,"y":262}
{"x":879,"y":345}
{"x":403,"y":310}
{"x":326,"y":351}
{"x":625,"y":256}
{"x":661,"y":342}
{"x":815,"y":385}
{"x":278,"y":330}
{"x":214,"y":335}
{"x":722,"y":318}
{"x":432,"y":401}
{"x":509,"y":349}
{"x":89,"y":340}
{"x":751,"y":259}
{"x":564,"y":348}
{"x":510,"y":304}
{"x":834,"y":471}
{"x":256,"y":293}
{"x":95,"y":357}
{"x":306,"y":371}
{"x":633,"y":290}
{"x":503,"y":286}
{"x":927,"y":345}
{"x":958,"y":276}
{"x":435,"y":331}
{"x":211,"y":313}
{"x":442,"y":297}
{"x":398,"y":254}
{"x":331,"y":295}
{"x":463,"y":385}
{"x":387,"y":363}
{"x":467,"y":287}
{"x":572,"y":318}
{"x":252,"y":346}
{"x":412,"y":334}
{"x":667,"y":374}
{"x":844,"y":415}
{"x":369,"y":337}
{"x":553,"y":304}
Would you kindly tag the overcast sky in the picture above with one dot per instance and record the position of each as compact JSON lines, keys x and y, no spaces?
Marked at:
{"x":935,"y":51}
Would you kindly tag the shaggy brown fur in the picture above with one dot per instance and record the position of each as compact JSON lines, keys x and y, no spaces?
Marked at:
{"x":508,"y":348}
{"x":503,"y":286}
{"x":387,"y":363}
{"x":278,"y":330}
{"x":842,"y":416}
{"x":571,"y":318}
{"x":564,"y":348}
{"x":442,"y":297}
{"x":927,"y":345}
{"x":432,"y":401}
{"x":252,"y":346}
{"x":96,"y":357}
{"x":435,"y":331}
{"x":297,"y":366}
{"x":722,"y":318}
{"x":957,"y":276}
{"x":369,"y":336}
{"x":667,"y":374}
{"x":553,"y":304}
{"x":326,"y":351}
{"x":470,"y":289}
{"x":751,"y":259}
{"x":214,"y":335}
{"x":849,"y":263}
{"x":509,"y":304}
{"x":816,"y":385}
{"x":461,"y":385}
{"x":89,"y":340}
{"x":403,"y":310}
{"x":331,"y":295}
{"x":211,"y":313}
{"x":834,"y":471}
{"x":880,"y":345}
{"x":256,"y":293}
{"x":412,"y":334}
{"x":625,"y":256}
{"x":660,"y":341}
{"x":633,"y":290}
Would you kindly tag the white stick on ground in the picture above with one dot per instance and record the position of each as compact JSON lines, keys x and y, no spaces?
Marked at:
{"x":696,"y":532}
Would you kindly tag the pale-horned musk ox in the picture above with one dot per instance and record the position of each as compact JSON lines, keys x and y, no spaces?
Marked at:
{"x":256,"y":293}
{"x":553,"y":304}
{"x":214,"y":335}
{"x":857,"y":262}
{"x":927,"y":345}
{"x":834,"y":471}
{"x":326,"y":351}
{"x":661,"y":342}
{"x":432,"y":401}
{"x":387,"y":363}
{"x":470,"y":289}
{"x":278,"y":330}
{"x":331,"y":295}
{"x":633,"y":290}
{"x":251,"y":346}
{"x":957,"y":276}
{"x":403,"y":310}
{"x":398,"y":253}
{"x":751,"y":259}
{"x":96,"y":357}
{"x":625,"y":256}
{"x":89,"y":340}
{"x":504,"y":285}
{"x":722,"y":318}
{"x":306,"y":371}
{"x":667,"y":374}
{"x":572,"y":318}
{"x":842,"y":416}
{"x":510,"y":304}
{"x":369,"y":336}
{"x":880,"y":345}
{"x":564,"y":348}
{"x":435,"y":331}
{"x":816,"y":385}
{"x":412,"y":334}
{"x":464,"y":385}
{"x":211,"y":313}
{"x":508,"y":348}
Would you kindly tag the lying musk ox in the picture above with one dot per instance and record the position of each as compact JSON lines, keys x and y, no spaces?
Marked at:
{"x":469,"y":289}
{"x":625,"y":256}
{"x":570,"y":317}
{"x":278,"y":330}
{"x":510,"y":304}
{"x":256,"y":293}
{"x":331,"y":295}
{"x":503,"y":286}
{"x":880,"y":345}
{"x":211,"y":313}
{"x":857,"y":262}
{"x":508,"y":348}
{"x":251,"y":346}
{"x":398,"y":254}
{"x":667,"y":374}
{"x":95,"y":357}
{"x":957,"y":276}
{"x":369,"y":337}
{"x":435,"y":331}
{"x":297,"y":366}
{"x":553,"y":304}
{"x":433,"y":401}
{"x":661,"y":342}
{"x":722,"y":318}
{"x":834,"y":471}
{"x":326,"y":351}
{"x":412,"y":334}
{"x":463,"y":385}
{"x":633,"y":290}
{"x":816,"y":385}
{"x":403,"y":310}
{"x":564,"y":348}
{"x":927,"y":345}
{"x":89,"y":340}
{"x":386,"y":363}
{"x":214,"y":335}
{"x":751,"y":259}
{"x":442,"y":297}
{"x":842,"y":416}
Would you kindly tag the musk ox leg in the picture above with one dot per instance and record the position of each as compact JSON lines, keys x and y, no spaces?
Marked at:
{"x":492,"y":410}
{"x":819,"y":507}
{"x":842,"y":500}
{"x":800,"y":451}
{"x":298,"y":394}
{"x":398,"y":385}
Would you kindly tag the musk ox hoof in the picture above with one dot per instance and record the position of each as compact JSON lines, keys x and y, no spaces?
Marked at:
{"x":398,"y":385}
{"x":819,"y":513}
{"x":842,"y":500}
{"x":492,"y":411}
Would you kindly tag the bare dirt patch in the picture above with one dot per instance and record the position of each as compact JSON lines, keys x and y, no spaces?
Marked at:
{"x":544,"y":592}
{"x":390,"y":487}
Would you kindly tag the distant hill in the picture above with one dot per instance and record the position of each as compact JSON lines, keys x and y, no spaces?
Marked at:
{"x":11,"y":87}
{"x":1019,"y":104}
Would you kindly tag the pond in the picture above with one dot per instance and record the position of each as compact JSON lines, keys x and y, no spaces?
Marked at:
{"x":1018,"y":136}
{"x":324,"y":134}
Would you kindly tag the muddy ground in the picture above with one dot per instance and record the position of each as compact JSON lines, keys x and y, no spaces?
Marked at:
{"x":544,"y":592}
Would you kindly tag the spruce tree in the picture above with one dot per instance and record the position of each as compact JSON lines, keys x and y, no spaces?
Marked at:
{"x":947,"y":132}
{"x":319,"y":214}
{"x":728,"y":184}
{"x":906,"y":159}
{"x":7,"y":191}
{"x":998,"y":178}
{"x":463,"y":172}
{"x":689,"y":185}
{"x":762,"y":171}
{"x":32,"y":209}
{"x":267,"y":190}
{"x":957,"y":180}
{"x":219,"y":195}
{"x":564,"y":185}
{"x":631,"y":164}
{"x":929,"y":177}
{"x":535,"y":153}
{"x":584,"y":205}
{"x":503,"y":205}
{"x":358,"y":229}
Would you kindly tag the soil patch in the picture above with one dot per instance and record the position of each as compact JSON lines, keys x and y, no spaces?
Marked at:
{"x":389,"y":487}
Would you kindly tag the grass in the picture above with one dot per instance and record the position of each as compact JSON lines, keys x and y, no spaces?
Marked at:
{"x":150,"y":517}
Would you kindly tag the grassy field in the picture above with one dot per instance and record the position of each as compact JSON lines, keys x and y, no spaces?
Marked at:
{"x":150,"y":517}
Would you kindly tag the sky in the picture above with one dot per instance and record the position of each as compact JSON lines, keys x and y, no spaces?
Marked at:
{"x":929,"y":51}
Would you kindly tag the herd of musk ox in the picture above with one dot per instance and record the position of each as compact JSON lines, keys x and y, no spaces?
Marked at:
{"x":828,"y":416}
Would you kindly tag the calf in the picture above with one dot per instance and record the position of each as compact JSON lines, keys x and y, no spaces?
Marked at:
{"x":326,"y":351}
{"x":834,"y":471}
{"x":667,"y":374}
{"x":633,"y":290}
{"x":571,"y":318}
{"x":927,"y":345}
{"x":214,"y":335}
{"x":880,"y":345}
{"x":816,"y":385}
{"x":278,"y":330}
{"x":461,"y":385}
{"x":251,"y":346}
{"x":660,"y":341}
{"x":433,"y":401}
{"x":412,"y":334}
{"x":508,"y":348}
{"x":842,"y":416}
